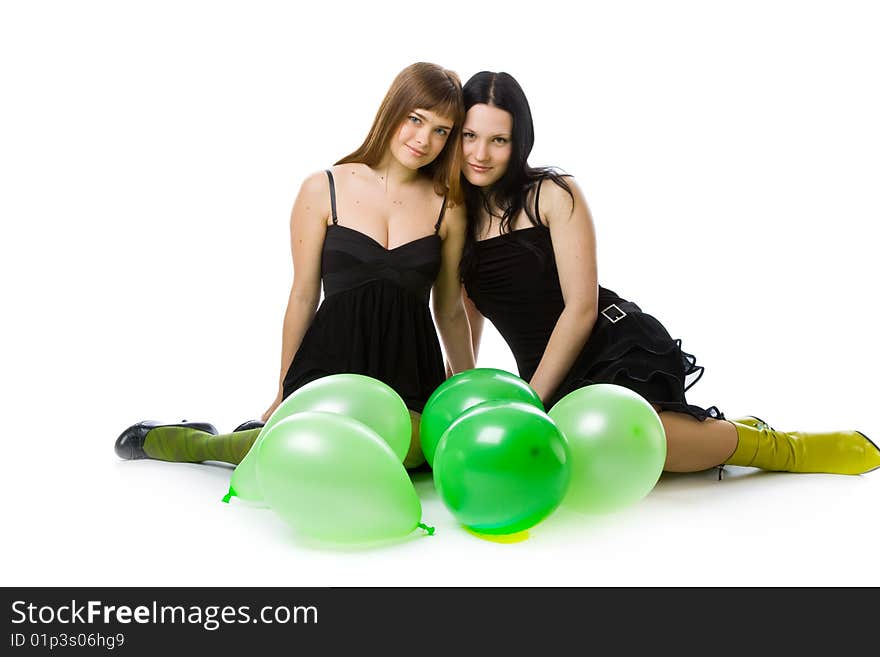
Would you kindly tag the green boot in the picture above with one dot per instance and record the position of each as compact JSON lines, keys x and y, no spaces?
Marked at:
{"x":187,"y":442}
{"x":752,"y":421}
{"x":840,"y":452}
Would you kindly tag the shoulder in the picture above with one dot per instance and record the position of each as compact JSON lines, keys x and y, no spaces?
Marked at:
{"x":350,"y":169}
{"x":313,"y":199}
{"x":314,"y":184}
{"x":455,"y":213}
{"x":554,"y":190}
{"x":559,"y":197}
{"x":454,"y":219}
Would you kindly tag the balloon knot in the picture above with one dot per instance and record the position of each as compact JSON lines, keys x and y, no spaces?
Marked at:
{"x":429,"y":530}
{"x":229,"y":495}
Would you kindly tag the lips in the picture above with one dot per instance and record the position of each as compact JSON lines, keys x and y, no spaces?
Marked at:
{"x":414,"y":151}
{"x":478,"y":168}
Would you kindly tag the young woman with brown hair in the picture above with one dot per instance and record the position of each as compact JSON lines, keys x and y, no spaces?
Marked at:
{"x":381,"y":230}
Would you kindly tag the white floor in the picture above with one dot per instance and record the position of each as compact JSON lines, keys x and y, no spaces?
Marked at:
{"x":730,"y":161}
{"x":83,"y":517}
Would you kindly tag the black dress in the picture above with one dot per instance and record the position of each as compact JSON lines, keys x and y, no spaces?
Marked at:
{"x":514,"y":283}
{"x":375,"y":318}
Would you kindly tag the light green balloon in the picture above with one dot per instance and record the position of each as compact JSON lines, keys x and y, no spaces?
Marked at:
{"x":617,"y":443}
{"x":333,"y":478}
{"x":243,"y":483}
{"x":359,"y":397}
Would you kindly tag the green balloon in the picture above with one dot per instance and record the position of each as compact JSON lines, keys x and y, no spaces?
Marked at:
{"x":333,"y":478}
{"x":463,"y":391}
{"x":243,"y":483}
{"x":618,"y":446}
{"x":359,"y":397}
{"x":501,"y":467}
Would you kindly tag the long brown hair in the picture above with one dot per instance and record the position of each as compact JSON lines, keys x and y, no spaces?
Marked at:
{"x":420,"y":86}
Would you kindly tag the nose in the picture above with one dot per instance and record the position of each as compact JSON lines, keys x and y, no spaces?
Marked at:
{"x":481,"y":152}
{"x":423,"y":135}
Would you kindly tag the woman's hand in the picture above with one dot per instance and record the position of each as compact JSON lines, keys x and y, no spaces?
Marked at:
{"x":475,"y":320}
{"x":272,"y":408}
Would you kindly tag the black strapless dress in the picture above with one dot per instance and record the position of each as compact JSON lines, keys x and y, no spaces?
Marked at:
{"x":514,"y":284}
{"x":374,"y":319}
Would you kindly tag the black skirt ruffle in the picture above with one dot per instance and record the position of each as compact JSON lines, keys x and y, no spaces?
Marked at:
{"x":638,"y":353}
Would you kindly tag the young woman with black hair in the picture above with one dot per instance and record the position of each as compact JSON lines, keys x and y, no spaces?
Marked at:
{"x":529,"y":266}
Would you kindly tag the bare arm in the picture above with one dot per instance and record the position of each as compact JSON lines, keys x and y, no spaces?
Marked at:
{"x":574,"y":248}
{"x":475,"y":321}
{"x":448,"y":307}
{"x":308,"y":226}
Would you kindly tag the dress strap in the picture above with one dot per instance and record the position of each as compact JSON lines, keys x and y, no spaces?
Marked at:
{"x":538,"y":198}
{"x":332,"y":196}
{"x":440,"y":218}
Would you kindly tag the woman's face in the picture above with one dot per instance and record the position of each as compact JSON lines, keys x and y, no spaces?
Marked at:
{"x":421,"y":138}
{"x":485,"y":144}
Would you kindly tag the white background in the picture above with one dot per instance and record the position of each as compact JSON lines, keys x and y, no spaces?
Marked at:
{"x":149,"y":157}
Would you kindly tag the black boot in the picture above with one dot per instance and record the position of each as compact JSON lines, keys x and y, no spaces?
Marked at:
{"x":247,"y":426}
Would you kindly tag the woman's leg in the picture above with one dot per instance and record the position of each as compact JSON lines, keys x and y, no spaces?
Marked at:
{"x":414,"y":457}
{"x":184,"y":444}
{"x":193,"y":446}
{"x":693,"y":445}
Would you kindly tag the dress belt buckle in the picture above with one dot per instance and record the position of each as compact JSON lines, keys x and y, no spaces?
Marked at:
{"x":613,"y":313}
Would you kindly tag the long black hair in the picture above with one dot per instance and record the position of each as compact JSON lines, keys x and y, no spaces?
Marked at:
{"x":509,"y":193}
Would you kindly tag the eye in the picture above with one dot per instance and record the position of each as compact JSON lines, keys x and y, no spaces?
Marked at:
{"x":467,"y":135}
{"x":501,"y":141}
{"x":414,"y":119}
{"x":442,"y":132}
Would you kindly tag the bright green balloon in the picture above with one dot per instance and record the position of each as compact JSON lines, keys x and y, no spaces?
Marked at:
{"x":334,"y":479}
{"x":618,"y":446}
{"x":359,"y":397}
{"x":501,"y":467}
{"x":463,"y":391}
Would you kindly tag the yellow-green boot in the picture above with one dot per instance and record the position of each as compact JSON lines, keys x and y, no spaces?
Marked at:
{"x":840,"y":452}
{"x":752,"y":421}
